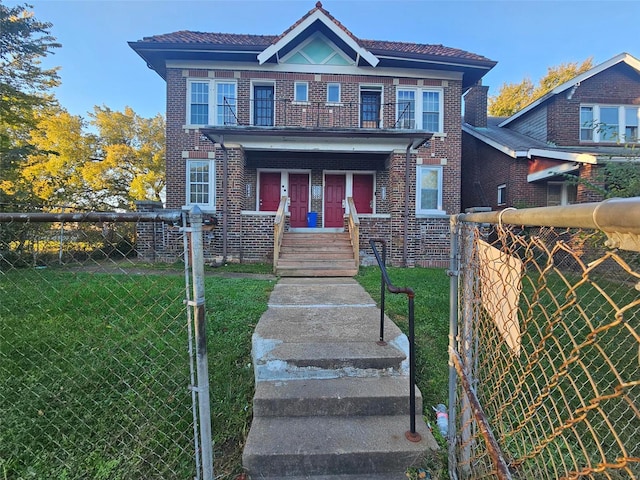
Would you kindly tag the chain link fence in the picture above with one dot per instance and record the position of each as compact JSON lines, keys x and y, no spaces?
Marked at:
{"x":545,"y":350}
{"x":95,"y":352}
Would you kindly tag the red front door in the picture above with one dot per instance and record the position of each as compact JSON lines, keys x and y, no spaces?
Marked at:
{"x":269,"y":191}
{"x":299,"y":199}
{"x":334,"y":190}
{"x":363,"y":193}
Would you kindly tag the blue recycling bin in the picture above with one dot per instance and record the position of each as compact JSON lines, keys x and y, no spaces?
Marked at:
{"x":312,"y":219}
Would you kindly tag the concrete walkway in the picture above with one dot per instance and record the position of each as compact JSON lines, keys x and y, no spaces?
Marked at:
{"x":330,"y":402}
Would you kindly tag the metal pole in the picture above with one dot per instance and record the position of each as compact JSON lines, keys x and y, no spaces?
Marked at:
{"x":466,"y":343}
{"x":202,"y":369}
{"x":412,"y":435}
{"x":454,"y":275}
{"x":381,"y":342}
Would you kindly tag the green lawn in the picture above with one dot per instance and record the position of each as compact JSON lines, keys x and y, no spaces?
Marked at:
{"x":94,"y":367}
{"x":94,"y":374}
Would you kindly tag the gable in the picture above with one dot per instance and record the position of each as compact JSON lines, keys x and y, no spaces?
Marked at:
{"x":317,"y":50}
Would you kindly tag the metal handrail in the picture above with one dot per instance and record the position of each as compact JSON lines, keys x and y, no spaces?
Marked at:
{"x":286,"y":112}
{"x":411,"y":435}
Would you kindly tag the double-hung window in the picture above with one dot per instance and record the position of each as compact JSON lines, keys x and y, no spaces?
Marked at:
{"x":429,"y":191}
{"x":420,"y":108}
{"x":502,"y":194}
{"x":609,"y":123}
{"x":211,"y":103}
{"x":201,"y":183}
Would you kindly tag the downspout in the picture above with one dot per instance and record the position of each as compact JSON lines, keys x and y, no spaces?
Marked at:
{"x":405,"y":248}
{"x":225,"y":198}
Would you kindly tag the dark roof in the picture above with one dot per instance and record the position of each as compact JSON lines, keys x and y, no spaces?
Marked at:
{"x":517,"y":142}
{"x":186,"y":37}
{"x":188,"y":45}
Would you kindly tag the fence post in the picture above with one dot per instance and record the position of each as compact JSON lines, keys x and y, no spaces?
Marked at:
{"x":454,"y":275}
{"x":466,"y":343}
{"x":200,"y":324}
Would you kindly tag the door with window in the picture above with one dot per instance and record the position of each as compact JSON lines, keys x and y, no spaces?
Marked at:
{"x":263,"y":106}
{"x":334,"y":191}
{"x":370,"y":109}
{"x":363,"y":193}
{"x":299,"y":199}
{"x":269,"y":198}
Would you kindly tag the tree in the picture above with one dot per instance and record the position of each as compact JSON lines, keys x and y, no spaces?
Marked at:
{"x":120,"y":162}
{"x":24,"y":83}
{"x":53,"y":173}
{"x":513,"y":97}
{"x":131,"y":152}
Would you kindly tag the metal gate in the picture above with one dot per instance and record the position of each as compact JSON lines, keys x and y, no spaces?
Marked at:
{"x":103,"y":360}
{"x":545,"y":343}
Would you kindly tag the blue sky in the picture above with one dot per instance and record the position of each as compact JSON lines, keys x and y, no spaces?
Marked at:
{"x":524,"y":37}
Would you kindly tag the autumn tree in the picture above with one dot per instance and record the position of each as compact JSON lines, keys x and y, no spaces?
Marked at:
{"x":109,"y":166}
{"x":513,"y":97}
{"x":131,"y":154}
{"x":54,"y":172}
{"x":24,"y":86}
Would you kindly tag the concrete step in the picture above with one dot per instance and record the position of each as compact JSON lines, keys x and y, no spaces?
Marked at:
{"x":323,"y":253}
{"x":334,"y":397}
{"x":372,"y":445}
{"x":302,"y":271}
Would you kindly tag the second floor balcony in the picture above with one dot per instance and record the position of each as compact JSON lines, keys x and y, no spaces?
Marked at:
{"x":270,"y":112}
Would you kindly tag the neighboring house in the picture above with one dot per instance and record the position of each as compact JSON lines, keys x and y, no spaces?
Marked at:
{"x":552,"y":151}
{"x":320,"y":117}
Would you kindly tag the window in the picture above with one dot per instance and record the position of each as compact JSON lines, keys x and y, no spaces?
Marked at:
{"x":586,"y":123}
{"x":429,"y":192}
{"x":202,"y":111}
{"x":420,"y":109}
{"x":608,"y":126}
{"x":201,"y":183}
{"x":561,"y":193}
{"x":631,"y":115}
{"x":609,"y":123}
{"x":199,"y":103}
{"x":502,"y":194}
{"x":333,"y":93}
{"x":301,"y":92}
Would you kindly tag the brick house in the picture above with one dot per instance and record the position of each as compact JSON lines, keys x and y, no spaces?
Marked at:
{"x":329,"y":121}
{"x":552,"y":151}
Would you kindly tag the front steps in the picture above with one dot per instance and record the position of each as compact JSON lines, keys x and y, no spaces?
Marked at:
{"x":330,"y":404}
{"x":316,"y":254}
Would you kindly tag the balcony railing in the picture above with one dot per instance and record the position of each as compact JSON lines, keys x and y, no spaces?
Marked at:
{"x":314,"y":115}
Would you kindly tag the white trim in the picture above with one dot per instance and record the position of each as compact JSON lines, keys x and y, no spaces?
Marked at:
{"x":317,"y":69}
{"x":211,"y":205}
{"x":306,"y":23}
{"x":298,"y":50}
{"x":502,"y":194}
{"x":346,"y":144}
{"x":419,"y":105}
{"x":258,"y":82}
{"x":575,"y":82}
{"x":295,"y":90}
{"x":371,"y":87}
{"x":331,"y":102}
{"x":552,"y":172}
{"x":440,"y":208}
{"x":571,"y":157}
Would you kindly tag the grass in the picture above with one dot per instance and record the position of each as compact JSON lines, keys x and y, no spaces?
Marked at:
{"x":431,"y":314}
{"x":94,"y":373}
{"x":94,"y":367}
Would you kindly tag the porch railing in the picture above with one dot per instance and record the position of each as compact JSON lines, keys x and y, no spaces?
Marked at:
{"x":411,"y":435}
{"x":278,"y":230}
{"x":289,"y":113}
{"x":354,"y":230}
